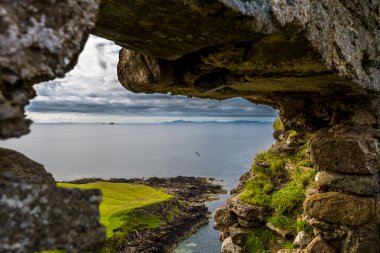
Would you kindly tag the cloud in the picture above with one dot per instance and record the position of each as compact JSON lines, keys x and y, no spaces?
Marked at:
{"x":92,"y":88}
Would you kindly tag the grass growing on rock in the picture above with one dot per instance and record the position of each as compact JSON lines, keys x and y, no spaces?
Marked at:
{"x":281,"y":186}
{"x":119,"y":199}
{"x":259,"y":239}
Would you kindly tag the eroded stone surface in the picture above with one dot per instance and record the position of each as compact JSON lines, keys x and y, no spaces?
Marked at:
{"x":245,"y":211}
{"x":318,"y":245}
{"x":37,"y":217}
{"x":224,"y":217}
{"x":302,"y":239}
{"x":364,"y":239}
{"x":361,"y":185}
{"x":39,"y":41}
{"x":239,"y":235}
{"x":346,"y":154}
{"x":341,"y":208}
{"x":229,"y":247}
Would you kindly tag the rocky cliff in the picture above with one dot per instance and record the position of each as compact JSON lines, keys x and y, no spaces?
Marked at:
{"x":318,"y":62}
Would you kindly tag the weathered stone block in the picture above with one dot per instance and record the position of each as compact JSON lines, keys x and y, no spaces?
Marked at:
{"x":341,"y":208}
{"x":358,"y":155}
{"x":246,"y":211}
{"x":356,"y":184}
{"x":224,"y":217}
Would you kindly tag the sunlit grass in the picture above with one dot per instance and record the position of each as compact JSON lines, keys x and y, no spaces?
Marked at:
{"x":119,"y":199}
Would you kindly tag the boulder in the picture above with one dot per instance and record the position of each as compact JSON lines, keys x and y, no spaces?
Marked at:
{"x":224,"y":217}
{"x":340,"y":208}
{"x":355,"y":184}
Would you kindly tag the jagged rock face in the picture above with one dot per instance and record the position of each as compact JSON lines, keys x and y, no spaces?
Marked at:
{"x":39,"y":41}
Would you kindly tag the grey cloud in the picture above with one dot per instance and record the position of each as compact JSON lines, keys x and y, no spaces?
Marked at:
{"x":92,"y":88}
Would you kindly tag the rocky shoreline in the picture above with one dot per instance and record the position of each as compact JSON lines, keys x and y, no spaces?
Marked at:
{"x":190,"y":194}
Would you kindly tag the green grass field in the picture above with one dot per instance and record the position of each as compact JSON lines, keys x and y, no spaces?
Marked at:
{"x":116,"y":209}
{"x":119,"y":199}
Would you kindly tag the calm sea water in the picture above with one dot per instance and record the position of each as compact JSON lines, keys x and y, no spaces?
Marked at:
{"x":73,"y":151}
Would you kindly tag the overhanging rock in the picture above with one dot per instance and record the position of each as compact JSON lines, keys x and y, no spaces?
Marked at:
{"x":288,"y":54}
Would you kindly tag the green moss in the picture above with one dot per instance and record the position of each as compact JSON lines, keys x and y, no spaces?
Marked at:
{"x":277,"y":124}
{"x":260,"y":240}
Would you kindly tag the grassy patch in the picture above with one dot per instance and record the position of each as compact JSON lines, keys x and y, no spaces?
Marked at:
{"x":281,"y":187}
{"x":118,"y":210}
{"x":119,"y":199}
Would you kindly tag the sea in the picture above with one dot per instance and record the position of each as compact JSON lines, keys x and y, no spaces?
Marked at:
{"x":223,"y":151}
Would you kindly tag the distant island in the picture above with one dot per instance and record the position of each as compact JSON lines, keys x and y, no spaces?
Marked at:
{"x":216,"y":122}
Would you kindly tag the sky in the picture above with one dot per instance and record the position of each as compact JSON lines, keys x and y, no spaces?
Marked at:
{"x":91,"y":93}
